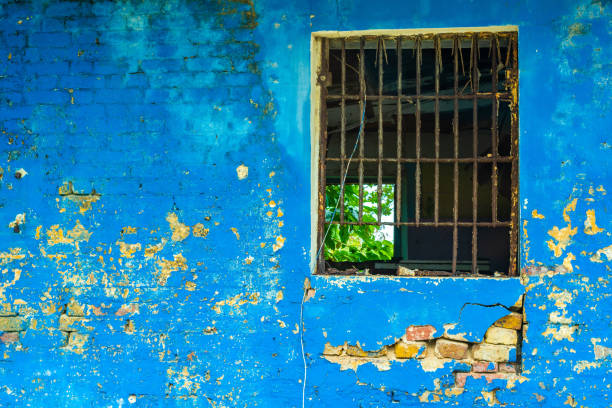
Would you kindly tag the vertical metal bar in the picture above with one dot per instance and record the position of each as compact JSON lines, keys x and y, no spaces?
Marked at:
{"x":398,"y":182}
{"x":437,"y":128}
{"x":475,"y":86}
{"x":514,"y":152}
{"x":417,"y":173}
{"x":342,"y":127}
{"x":322,"y":154}
{"x":362,"y":92}
{"x":456,"y":50}
{"x":494,"y":131}
{"x":380,"y":125}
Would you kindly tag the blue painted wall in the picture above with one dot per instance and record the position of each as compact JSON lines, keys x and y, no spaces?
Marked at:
{"x":178,"y":281}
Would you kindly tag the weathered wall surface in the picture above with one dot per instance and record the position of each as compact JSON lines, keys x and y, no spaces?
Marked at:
{"x":155,"y":197}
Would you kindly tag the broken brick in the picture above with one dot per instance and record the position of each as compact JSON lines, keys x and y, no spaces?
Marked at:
{"x":491,"y":352}
{"x":406,"y":350}
{"x":512,"y":321}
{"x":499,"y":335}
{"x":9,"y":337}
{"x":484,"y":367}
{"x":416,"y":333}
{"x":451,"y":349}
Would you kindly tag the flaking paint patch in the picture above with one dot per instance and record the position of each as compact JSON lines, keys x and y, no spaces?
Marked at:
{"x":280,"y":242}
{"x":237,"y":301}
{"x":168,"y":266}
{"x":242,"y":172}
{"x":151,"y":250}
{"x":128,"y":250}
{"x":590,"y":225}
{"x":563,"y":332}
{"x":180,"y":231}
{"x":606,"y":251}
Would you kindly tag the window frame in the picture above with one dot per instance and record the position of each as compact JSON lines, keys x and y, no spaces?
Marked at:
{"x":320,"y":68}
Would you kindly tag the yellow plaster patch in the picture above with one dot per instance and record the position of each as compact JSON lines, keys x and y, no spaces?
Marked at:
{"x":128,"y":230}
{"x":127,"y":250}
{"x":79,"y":233}
{"x":13,"y":254}
{"x":55,"y":235}
{"x":199,"y":231}
{"x":562,"y":236}
{"x":607,"y":251}
{"x":590,"y":226}
{"x":235,"y":231}
{"x":280,"y":242}
{"x":38,"y":230}
{"x":167,"y":267}
{"x":180,"y":231}
{"x":563,"y":332}
{"x":535,"y":214}
{"x":151,"y":250}
{"x":567,"y":261}
{"x":242,"y":172}
{"x":237,"y":301}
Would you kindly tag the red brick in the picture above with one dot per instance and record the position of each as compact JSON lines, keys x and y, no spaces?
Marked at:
{"x":484,"y":367}
{"x":461,"y":377}
{"x":9,"y":337}
{"x":507,"y":368}
{"x":416,"y":333}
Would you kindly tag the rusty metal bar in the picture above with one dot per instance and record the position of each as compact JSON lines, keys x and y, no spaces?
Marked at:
{"x":413,"y":98}
{"x":322,"y":151}
{"x":437,"y":63}
{"x":398,"y":180}
{"x":514,"y":152}
{"x":430,"y":223}
{"x":494,"y":130}
{"x":474,"y":74}
{"x":417,"y":172}
{"x":380,"y":128}
{"x":456,"y":50}
{"x":342,"y":126}
{"x":361,"y":109}
{"x":500,"y":159}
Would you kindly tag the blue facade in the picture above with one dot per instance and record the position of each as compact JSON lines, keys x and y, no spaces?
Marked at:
{"x":142,"y":264}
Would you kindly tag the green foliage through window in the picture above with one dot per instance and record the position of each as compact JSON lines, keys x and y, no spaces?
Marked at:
{"x":358,"y":243}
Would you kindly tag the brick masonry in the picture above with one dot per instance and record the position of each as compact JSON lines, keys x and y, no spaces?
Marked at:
{"x":142,"y":264}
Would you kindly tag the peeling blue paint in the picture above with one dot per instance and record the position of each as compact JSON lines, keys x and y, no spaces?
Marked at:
{"x":155,"y":104}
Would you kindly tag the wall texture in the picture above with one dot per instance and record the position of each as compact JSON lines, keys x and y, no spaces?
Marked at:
{"x":155,"y":197}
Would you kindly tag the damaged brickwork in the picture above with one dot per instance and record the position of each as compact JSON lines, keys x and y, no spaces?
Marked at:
{"x":155,"y":187}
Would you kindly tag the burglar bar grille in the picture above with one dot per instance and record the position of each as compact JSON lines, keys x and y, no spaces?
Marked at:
{"x":416,"y":92}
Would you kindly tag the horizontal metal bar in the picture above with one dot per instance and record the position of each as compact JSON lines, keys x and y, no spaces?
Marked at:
{"x":499,"y":159}
{"x":498,"y":224}
{"x":470,"y":96}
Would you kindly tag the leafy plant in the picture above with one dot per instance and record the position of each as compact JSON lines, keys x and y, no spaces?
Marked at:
{"x":357,"y":243}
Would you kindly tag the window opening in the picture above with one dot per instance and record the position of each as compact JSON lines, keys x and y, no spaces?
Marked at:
{"x":431,"y":183}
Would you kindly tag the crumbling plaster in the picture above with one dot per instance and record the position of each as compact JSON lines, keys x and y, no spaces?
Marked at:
{"x":155,"y":190}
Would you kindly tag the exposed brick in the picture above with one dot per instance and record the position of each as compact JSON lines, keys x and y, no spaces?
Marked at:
{"x":356,"y":351}
{"x":491,"y":352}
{"x":77,"y":340}
{"x":9,"y":337}
{"x":451,"y":349}
{"x":416,"y":333}
{"x":75,"y":309}
{"x":499,"y":335}
{"x":71,"y":323}
{"x":407,"y":350}
{"x":512,"y":321}
{"x":484,"y":367}
{"x":507,"y":368}
{"x":461,"y":377}
{"x":11,"y":324}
